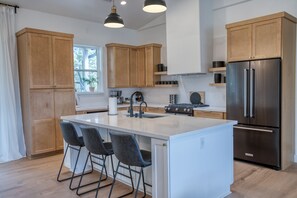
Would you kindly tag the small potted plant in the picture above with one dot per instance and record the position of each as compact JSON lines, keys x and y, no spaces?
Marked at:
{"x":91,"y":81}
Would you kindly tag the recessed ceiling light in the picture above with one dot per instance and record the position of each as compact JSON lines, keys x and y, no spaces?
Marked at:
{"x":123,"y":2}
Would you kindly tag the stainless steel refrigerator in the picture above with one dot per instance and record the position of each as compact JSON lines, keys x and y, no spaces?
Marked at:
{"x":254,"y":100}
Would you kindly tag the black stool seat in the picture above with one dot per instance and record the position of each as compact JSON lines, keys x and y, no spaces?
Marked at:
{"x":127,"y":150}
{"x":147,"y":157}
{"x":73,"y":142}
{"x":96,"y":146}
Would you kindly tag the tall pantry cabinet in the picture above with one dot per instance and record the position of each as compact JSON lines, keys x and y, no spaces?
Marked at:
{"x":47,"y":87}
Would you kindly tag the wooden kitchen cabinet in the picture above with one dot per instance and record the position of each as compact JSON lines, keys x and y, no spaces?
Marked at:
{"x":45,"y":71}
{"x":132,"y":66}
{"x":152,"y":59}
{"x":209,"y":114}
{"x":64,"y":105}
{"x":137,"y":67}
{"x":239,"y":43}
{"x":155,"y":110}
{"x":63,"y":62}
{"x":254,"y":39}
{"x":118,"y":64}
{"x":41,"y":66}
{"x":43,"y":127}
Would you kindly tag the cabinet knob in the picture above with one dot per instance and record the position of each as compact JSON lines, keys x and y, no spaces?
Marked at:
{"x":164,"y":144}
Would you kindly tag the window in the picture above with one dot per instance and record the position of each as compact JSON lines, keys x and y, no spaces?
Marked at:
{"x":87,"y":69}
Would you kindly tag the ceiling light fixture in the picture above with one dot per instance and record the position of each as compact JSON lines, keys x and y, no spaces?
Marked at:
{"x":113,"y":20}
{"x":123,"y":2}
{"x":154,"y":6}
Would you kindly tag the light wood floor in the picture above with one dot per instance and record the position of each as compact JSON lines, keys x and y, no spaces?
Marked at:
{"x":37,"y":178}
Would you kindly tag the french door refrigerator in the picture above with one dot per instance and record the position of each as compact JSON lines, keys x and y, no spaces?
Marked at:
{"x":254,"y":100}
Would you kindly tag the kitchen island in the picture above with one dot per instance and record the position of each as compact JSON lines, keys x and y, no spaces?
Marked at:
{"x":191,"y":157}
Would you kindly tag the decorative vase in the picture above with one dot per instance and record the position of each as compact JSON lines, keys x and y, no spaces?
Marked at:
{"x":92,"y":89}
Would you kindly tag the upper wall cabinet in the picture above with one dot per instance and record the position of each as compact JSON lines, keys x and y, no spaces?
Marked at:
{"x":132,"y":66}
{"x":118,"y":64}
{"x":189,"y":26}
{"x":50,"y":59}
{"x":255,"y":39}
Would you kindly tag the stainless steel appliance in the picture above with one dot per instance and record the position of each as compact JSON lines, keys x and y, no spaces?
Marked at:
{"x":253,"y":99}
{"x":183,"y":108}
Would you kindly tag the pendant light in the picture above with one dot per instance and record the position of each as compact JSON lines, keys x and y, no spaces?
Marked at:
{"x":154,"y":6}
{"x":113,"y":20}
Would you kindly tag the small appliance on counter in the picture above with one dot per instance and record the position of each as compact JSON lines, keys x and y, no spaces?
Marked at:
{"x":186,"y":108}
{"x":138,"y":96}
{"x":118,"y":95}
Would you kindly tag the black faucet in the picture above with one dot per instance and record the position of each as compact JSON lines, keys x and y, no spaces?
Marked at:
{"x":130,"y":110}
{"x":141,"y":112}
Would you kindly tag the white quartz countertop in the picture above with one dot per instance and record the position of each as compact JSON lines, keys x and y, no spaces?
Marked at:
{"x":161,"y":128}
{"x":105,"y":107}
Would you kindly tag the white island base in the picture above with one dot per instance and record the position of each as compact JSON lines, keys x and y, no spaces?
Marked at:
{"x":192,"y":160}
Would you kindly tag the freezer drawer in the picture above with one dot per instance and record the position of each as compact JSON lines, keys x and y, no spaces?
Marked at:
{"x":259,"y":145}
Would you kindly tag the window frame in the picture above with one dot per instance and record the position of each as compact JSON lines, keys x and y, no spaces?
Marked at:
{"x":100,"y":73}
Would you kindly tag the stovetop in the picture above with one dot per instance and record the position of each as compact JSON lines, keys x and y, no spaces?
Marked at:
{"x":183,"y":108}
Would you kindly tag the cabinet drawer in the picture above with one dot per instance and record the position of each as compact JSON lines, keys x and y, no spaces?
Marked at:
{"x":209,"y":114}
{"x":155,"y":110}
{"x":260,"y":145}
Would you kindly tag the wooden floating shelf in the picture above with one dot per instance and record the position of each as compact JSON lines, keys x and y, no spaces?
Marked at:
{"x":161,"y":73}
{"x":217,"y":69}
{"x":218,"y":84}
{"x":166,"y":85}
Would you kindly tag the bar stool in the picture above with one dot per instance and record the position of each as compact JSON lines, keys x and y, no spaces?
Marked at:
{"x":96,"y":146}
{"x":70,"y":136}
{"x":126,"y":149}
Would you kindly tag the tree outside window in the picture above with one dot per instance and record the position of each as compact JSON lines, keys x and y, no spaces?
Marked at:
{"x":87,"y":69}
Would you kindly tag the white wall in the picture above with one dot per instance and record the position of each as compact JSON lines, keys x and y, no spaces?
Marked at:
{"x":85,"y":33}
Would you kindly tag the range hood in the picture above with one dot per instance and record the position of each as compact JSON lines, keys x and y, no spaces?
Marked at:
{"x":189,"y":26}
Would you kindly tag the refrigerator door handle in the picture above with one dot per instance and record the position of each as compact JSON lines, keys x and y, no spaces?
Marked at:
{"x":252,"y":83}
{"x":245,"y":73}
{"x":253,"y":129}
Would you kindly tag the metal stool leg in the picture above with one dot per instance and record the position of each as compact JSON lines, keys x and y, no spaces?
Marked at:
{"x":103,"y":167}
{"x":131,"y":192}
{"x":140,"y":173}
{"x":100,"y":179}
{"x":70,"y":185}
{"x":144,"y":190}
{"x":114,"y":178}
{"x":58,"y":177}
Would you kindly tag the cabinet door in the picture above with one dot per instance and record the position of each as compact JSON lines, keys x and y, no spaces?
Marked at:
{"x":137,"y":67}
{"x":40,"y":60}
{"x":239,"y":43}
{"x":140,"y":61}
{"x":155,"y":109}
{"x":209,"y":114}
{"x":152,"y":58}
{"x":43,"y":123}
{"x":64,"y":105}
{"x":63,"y":62}
{"x":118,"y":67}
{"x":160,"y":167}
{"x":267,"y":39}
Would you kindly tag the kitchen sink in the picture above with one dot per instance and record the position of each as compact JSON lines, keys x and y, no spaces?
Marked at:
{"x":152,"y":116}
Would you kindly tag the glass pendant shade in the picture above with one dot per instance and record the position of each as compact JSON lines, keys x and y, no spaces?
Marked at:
{"x":154,"y":6}
{"x":113,"y":20}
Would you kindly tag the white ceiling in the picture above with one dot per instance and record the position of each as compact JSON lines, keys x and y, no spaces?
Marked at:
{"x":91,"y":10}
